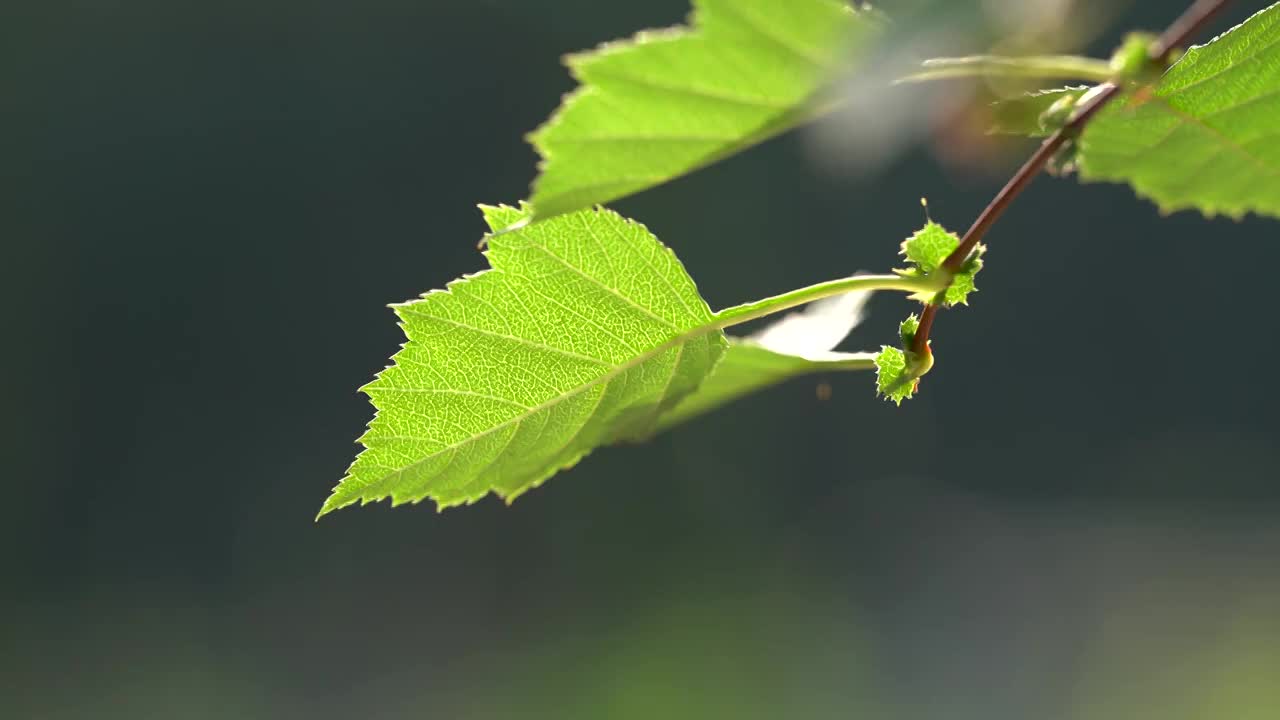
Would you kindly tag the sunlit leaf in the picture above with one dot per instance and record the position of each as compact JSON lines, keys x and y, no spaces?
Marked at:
{"x":927,"y":248}
{"x":898,"y":368}
{"x":583,"y":332}
{"x":667,"y":102}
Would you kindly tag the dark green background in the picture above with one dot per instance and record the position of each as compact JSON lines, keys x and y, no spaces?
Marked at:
{"x":204,"y":209}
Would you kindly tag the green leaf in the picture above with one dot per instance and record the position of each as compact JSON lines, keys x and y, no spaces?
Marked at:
{"x":583,"y":332}
{"x":907,"y":330}
{"x":747,"y":368}
{"x":1207,"y":135}
{"x":668,"y":102}
{"x":898,"y":370}
{"x":926,"y":249}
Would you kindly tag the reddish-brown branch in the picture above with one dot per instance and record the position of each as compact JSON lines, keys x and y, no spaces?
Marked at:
{"x":1187,"y":26}
{"x":926,"y":324}
{"x":1183,"y":29}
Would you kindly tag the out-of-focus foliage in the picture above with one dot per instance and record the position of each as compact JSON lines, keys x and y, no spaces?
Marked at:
{"x":584,"y":331}
{"x":898,"y":369}
{"x":667,"y":102}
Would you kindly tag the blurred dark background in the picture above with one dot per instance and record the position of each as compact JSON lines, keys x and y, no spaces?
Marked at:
{"x":204,"y":209}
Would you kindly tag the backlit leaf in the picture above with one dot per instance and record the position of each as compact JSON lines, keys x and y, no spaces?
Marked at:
{"x":667,"y":102}
{"x":898,"y":370}
{"x":802,"y":343}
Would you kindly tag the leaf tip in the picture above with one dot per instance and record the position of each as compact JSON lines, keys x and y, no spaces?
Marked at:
{"x":331,"y":504}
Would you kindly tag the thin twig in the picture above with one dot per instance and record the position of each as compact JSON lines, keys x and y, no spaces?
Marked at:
{"x":1186,"y":27}
{"x":1192,"y":21}
{"x":926,"y":324}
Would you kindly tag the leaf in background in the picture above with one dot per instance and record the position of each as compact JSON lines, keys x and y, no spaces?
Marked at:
{"x":800,"y":343}
{"x":668,"y":102}
{"x":583,"y":332}
{"x":1208,"y":136}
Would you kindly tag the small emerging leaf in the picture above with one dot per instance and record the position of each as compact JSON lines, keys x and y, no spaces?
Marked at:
{"x":898,"y":370}
{"x":907,"y":330}
{"x":927,"y":249}
{"x":891,"y":378}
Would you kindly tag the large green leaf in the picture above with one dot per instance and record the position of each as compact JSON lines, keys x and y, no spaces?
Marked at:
{"x":583,"y":332}
{"x":668,"y":102}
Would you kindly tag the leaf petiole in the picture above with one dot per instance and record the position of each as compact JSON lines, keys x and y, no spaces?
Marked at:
{"x":738,"y":314}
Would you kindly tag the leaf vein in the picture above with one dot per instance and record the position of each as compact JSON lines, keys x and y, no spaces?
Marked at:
{"x":515,"y":339}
